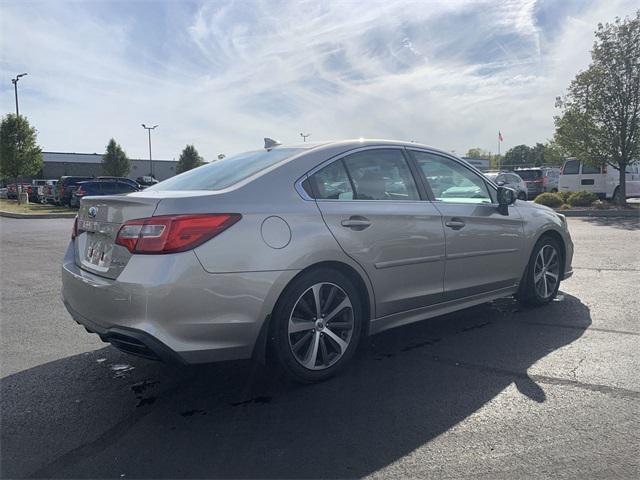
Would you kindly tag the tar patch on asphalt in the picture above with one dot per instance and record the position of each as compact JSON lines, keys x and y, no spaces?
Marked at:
{"x":259,"y":399}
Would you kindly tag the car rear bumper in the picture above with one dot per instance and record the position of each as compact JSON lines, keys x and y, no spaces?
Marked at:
{"x":168,"y":307}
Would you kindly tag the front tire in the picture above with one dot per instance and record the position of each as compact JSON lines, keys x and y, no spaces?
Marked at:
{"x":317,"y":325}
{"x":541,"y":280}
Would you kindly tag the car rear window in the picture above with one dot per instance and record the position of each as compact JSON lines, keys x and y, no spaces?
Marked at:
{"x":529,"y":174}
{"x":226,"y":172}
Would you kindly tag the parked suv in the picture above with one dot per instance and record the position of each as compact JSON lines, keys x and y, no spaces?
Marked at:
{"x":539,"y":179}
{"x":65,"y":187}
{"x":102,"y":186}
{"x":303,"y":251}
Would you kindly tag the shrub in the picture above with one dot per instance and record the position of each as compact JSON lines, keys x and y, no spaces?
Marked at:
{"x":582,"y":199}
{"x":565,"y":196}
{"x":552,"y":200}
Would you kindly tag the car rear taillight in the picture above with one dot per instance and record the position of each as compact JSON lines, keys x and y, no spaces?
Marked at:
{"x":172,"y":233}
{"x":74,"y":231}
{"x":545,"y":180}
{"x":80,"y":192}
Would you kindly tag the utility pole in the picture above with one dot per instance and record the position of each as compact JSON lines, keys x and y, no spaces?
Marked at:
{"x":304,"y":136}
{"x":148,"y":129}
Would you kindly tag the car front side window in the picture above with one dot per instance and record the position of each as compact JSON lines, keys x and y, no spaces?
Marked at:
{"x":450,"y":181}
{"x":571,"y":167}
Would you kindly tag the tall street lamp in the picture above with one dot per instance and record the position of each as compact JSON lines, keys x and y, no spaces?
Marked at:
{"x":15,"y":88}
{"x":148,"y":129}
{"x":304,"y":136}
{"x":15,"y":146}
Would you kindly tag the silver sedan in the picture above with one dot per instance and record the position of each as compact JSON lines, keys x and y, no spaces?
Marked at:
{"x":301,"y":251}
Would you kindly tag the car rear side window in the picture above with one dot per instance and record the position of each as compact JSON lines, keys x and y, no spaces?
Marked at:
{"x":226,"y":172}
{"x":381,"y":174}
{"x":450,"y":181}
{"x":332,"y":183}
{"x":571,"y":167}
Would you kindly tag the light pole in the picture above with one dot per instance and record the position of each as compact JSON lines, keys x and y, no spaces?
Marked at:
{"x":304,"y":136}
{"x":15,"y":88}
{"x":15,"y":146}
{"x":148,"y":129}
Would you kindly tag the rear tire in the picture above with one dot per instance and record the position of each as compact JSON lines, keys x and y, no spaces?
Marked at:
{"x":541,"y":279}
{"x":316,"y":325}
{"x":522,"y":196}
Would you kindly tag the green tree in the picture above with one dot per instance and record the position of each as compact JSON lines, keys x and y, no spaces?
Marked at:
{"x":600,"y":118}
{"x":189,"y":158}
{"x":19,"y":152}
{"x":520,"y":155}
{"x":554,"y":154}
{"x":480,"y":153}
{"x":536,"y":155}
{"x":115,"y":161}
{"x":477,"y":152}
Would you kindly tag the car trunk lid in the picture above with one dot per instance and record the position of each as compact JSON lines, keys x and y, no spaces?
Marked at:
{"x":99,"y":220}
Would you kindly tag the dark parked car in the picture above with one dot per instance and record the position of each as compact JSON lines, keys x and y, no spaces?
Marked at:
{"x":126,"y":180}
{"x":100,"y":187}
{"x":146,"y":181}
{"x":65,"y":187}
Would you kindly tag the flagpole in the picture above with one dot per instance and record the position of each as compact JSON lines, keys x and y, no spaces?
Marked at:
{"x":499,"y":160}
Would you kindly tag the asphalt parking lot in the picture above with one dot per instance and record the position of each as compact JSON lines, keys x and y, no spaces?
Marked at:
{"x":496,"y":391}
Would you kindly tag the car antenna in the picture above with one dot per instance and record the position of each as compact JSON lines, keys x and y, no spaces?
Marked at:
{"x":270,"y":143}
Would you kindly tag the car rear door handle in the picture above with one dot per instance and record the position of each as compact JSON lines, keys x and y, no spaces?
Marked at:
{"x":455,"y":224}
{"x":356,"y":222}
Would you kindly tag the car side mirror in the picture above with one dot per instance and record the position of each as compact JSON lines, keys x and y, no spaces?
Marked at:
{"x":506,"y":196}
{"x":500,"y":183}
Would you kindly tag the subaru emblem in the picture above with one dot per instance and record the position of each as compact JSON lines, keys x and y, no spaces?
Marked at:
{"x":93,"y":211}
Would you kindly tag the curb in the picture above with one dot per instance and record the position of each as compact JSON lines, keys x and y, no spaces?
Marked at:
{"x":601,"y":213}
{"x":36,"y":215}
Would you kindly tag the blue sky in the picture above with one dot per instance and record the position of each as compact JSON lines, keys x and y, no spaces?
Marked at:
{"x":224,"y":74}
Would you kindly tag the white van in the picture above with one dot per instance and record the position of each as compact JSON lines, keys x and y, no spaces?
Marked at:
{"x":577,"y":176}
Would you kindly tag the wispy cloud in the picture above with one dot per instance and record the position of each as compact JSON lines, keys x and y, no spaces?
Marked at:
{"x":222,"y":75}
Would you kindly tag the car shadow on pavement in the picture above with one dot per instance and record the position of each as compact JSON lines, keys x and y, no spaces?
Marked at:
{"x":107,"y":415}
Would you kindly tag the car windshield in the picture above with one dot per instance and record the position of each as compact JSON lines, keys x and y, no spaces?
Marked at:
{"x":529,"y":174}
{"x":226,"y":172}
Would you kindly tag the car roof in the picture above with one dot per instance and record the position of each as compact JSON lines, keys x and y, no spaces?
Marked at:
{"x":350,"y":144}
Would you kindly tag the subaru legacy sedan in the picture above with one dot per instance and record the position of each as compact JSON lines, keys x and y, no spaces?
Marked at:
{"x":293,"y":254}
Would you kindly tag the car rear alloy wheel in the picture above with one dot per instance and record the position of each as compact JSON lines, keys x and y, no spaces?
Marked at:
{"x":316,"y":325}
{"x":321,"y":326}
{"x":546,"y":272}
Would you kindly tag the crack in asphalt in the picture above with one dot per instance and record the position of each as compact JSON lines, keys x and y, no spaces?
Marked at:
{"x":580,"y":327}
{"x":605,"y":269}
{"x":565,"y":382}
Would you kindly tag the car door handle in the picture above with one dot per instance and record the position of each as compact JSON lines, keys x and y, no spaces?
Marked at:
{"x":455,"y":224}
{"x":356,"y":222}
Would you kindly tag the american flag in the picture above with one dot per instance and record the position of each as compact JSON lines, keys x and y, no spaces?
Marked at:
{"x":500,"y":136}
